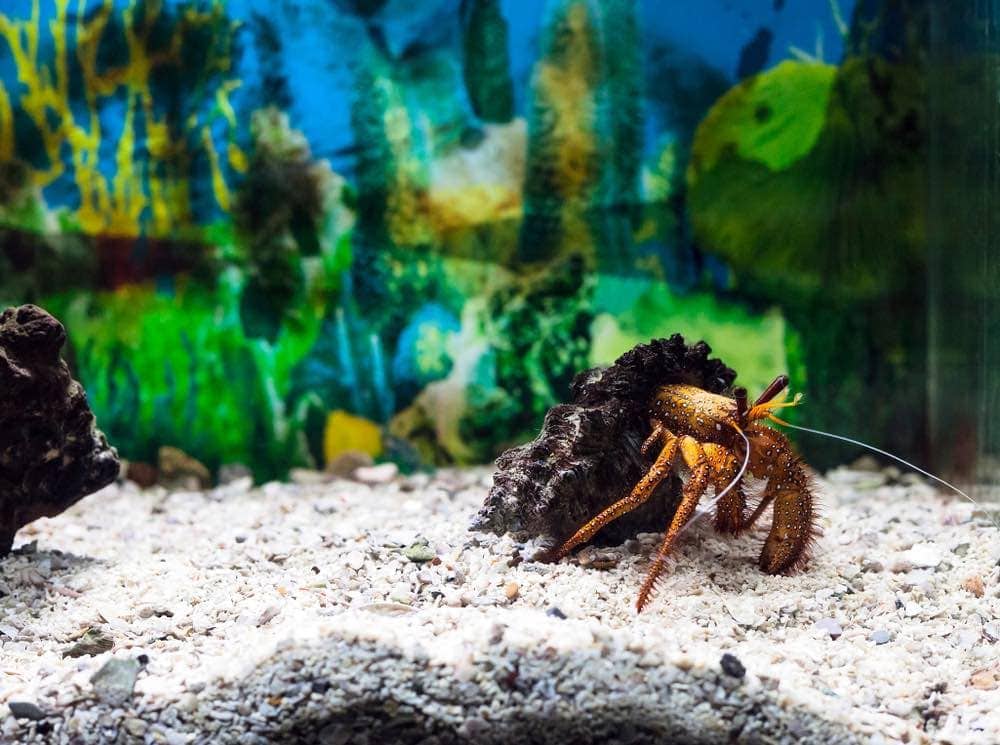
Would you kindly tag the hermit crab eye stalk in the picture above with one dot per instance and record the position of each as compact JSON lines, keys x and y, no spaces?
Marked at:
{"x":740,"y":394}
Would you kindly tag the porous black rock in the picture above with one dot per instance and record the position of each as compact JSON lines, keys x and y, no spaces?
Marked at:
{"x":51,"y":452}
{"x":587,"y":454}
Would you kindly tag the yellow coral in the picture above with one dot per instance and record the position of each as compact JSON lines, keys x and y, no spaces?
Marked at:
{"x":150,"y":177}
{"x":346,"y":432}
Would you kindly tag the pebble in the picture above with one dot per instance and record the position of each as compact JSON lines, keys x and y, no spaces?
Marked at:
{"x":974,"y":585}
{"x":114,"y":682}
{"x":25,"y":710}
{"x":348,"y":462}
{"x":924,"y":555}
{"x":598,"y":558}
{"x":984,"y":680}
{"x":355,"y":560}
{"x":135,"y":727}
{"x":880,"y":636}
{"x":326,"y":506}
{"x":308,"y":477}
{"x":829,"y":626}
{"x":912,"y":610}
{"x":850,"y":571}
{"x":233,"y":474}
{"x":380,"y":474}
{"x":511,"y":590}
{"x":732,"y":666}
{"x":992,"y":631}
{"x":901,"y":566}
{"x":93,"y":642}
{"x":419,"y":551}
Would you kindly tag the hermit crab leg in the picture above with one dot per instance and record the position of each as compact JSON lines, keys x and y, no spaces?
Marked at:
{"x":731,"y":506}
{"x":654,"y":437}
{"x":695,"y":458}
{"x":639,"y":494}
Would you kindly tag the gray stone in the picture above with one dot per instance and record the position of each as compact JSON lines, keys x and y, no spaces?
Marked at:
{"x":348,"y":462}
{"x":114,"y":682}
{"x":25,"y":710}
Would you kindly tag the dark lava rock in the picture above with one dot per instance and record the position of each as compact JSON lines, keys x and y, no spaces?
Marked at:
{"x":732,"y":666}
{"x":587,"y":454}
{"x":51,"y":452}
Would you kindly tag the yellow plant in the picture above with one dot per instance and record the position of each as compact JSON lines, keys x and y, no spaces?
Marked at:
{"x":149,"y":174}
{"x":346,"y":432}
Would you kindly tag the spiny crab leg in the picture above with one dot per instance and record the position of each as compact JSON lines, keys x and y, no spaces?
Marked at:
{"x":695,"y":458}
{"x":640,"y":494}
{"x":654,"y":437}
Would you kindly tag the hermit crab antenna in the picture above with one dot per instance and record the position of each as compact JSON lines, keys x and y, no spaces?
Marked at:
{"x":740,"y":394}
{"x":777,"y":386}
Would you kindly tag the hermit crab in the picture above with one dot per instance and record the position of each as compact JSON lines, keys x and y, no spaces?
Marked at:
{"x":593,"y":465}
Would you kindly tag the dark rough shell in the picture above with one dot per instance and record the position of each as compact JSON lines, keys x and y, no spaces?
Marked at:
{"x":51,"y":452}
{"x":587,"y":454}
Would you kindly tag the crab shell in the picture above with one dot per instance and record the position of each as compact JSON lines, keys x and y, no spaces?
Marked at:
{"x":587,"y":455}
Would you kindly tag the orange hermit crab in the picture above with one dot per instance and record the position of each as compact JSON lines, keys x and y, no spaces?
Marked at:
{"x":593,"y":457}
{"x":718,"y":438}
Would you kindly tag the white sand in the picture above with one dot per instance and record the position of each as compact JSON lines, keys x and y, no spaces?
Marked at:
{"x":291,"y":614}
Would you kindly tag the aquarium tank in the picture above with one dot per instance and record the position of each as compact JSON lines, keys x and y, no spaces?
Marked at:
{"x":436,"y":372}
{"x":283,"y":232}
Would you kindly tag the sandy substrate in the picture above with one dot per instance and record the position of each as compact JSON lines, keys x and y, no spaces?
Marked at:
{"x":314,"y":613}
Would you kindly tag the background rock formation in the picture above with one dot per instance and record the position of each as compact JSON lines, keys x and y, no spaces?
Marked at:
{"x":51,"y":452}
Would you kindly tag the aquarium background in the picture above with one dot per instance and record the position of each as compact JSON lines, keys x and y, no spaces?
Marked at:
{"x":278,"y":232}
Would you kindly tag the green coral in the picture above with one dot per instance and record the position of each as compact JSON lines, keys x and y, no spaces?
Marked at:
{"x":538,"y":332}
{"x":823,"y":213}
{"x":278,"y":217}
{"x":179,"y":371}
{"x":773,"y":119}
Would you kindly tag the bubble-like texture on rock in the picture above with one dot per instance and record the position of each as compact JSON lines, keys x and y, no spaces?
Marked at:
{"x":51,"y":452}
{"x":587,"y":454}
